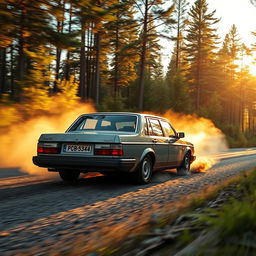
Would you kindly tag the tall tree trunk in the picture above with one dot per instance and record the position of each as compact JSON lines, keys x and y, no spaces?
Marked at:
{"x":67,"y":66}
{"x":199,"y":67}
{"x":97,"y":68}
{"x":243,"y":108}
{"x":90,"y":60}
{"x":12,"y":71}
{"x":177,"y":61}
{"x":2,"y":70}
{"x":82,"y":84}
{"x":143,"y":58}
{"x":21,"y":59}
{"x":116,"y":91}
{"x":21,"y":41}
{"x":57,"y":69}
{"x":21,"y":65}
{"x":60,"y":25}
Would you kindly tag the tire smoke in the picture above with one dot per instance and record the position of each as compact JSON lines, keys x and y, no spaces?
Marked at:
{"x":19,"y":144}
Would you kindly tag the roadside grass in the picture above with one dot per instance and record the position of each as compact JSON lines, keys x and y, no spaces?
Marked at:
{"x":235,"y":223}
{"x":228,"y":230}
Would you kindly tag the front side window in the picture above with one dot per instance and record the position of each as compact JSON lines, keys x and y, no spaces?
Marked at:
{"x":156,"y":129}
{"x":106,"y":123}
{"x":168,"y":130}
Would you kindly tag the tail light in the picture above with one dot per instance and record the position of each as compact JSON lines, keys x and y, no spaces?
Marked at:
{"x":108,"y":149}
{"x":48,"y":148}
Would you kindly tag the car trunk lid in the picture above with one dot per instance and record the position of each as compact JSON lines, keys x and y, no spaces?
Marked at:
{"x":88,"y":137}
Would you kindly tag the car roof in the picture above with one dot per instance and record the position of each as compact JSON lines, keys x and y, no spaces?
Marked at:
{"x":123,"y":113}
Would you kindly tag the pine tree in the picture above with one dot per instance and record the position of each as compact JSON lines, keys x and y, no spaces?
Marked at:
{"x":228,"y":56}
{"x":7,"y":24}
{"x":92,"y":14}
{"x":35,"y":86}
{"x":178,"y":88}
{"x":234,"y":48}
{"x":200,"y":44}
{"x":122,"y":34}
{"x":154,"y":67}
{"x":149,"y":10}
{"x":30,"y":26}
{"x":180,"y":17}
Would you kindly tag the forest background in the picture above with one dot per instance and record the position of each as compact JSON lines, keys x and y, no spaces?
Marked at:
{"x":56,"y":53}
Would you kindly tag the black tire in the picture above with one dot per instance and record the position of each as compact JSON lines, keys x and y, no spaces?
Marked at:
{"x":184,"y":169}
{"x":69,"y":175}
{"x":144,"y":171}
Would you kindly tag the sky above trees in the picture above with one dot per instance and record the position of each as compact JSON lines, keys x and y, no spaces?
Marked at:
{"x":239,"y":12}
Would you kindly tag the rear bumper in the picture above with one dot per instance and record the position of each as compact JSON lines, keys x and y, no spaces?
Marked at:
{"x":85,"y":163}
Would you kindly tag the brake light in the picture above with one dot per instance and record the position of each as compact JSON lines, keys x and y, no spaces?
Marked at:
{"x":48,"y":148}
{"x":108,"y":150}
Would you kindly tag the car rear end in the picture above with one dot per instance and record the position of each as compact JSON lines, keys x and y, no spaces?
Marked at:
{"x":85,"y":149}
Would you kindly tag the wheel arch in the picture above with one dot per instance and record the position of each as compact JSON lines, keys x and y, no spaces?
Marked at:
{"x":188,"y":150}
{"x":151,"y":153}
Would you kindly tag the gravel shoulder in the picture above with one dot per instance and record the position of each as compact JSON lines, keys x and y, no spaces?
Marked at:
{"x":47,"y":215}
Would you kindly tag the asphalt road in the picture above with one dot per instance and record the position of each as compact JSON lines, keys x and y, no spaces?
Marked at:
{"x":43,"y":214}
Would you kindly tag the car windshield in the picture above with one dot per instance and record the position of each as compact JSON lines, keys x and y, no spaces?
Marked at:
{"x":122,"y":123}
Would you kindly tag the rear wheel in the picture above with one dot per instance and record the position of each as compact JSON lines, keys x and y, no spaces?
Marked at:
{"x":185,"y":166}
{"x":69,"y":175}
{"x":143,"y":173}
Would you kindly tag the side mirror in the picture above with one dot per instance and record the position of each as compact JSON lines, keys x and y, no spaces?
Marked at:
{"x":181,"y":135}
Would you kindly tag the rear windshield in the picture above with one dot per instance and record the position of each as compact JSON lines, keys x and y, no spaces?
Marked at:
{"x":106,"y":123}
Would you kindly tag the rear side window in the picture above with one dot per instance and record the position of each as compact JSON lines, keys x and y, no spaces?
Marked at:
{"x":106,"y":123}
{"x":168,"y":130}
{"x":155,"y":128}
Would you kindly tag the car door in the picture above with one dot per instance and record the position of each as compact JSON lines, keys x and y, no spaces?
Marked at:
{"x":159,"y":142}
{"x":175,"y":148}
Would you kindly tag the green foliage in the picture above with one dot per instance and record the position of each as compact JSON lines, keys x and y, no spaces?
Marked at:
{"x":68,"y":92}
{"x":37,"y":102}
{"x":200,"y":44}
{"x":178,"y":91}
{"x":236,"y":218}
{"x":35,"y":87}
{"x":232,"y":228}
{"x":122,"y":39}
{"x":113,"y":104}
{"x":155,"y":101}
{"x":235,"y":222}
{"x":185,"y":238}
{"x":180,"y":20}
{"x":235,"y":137}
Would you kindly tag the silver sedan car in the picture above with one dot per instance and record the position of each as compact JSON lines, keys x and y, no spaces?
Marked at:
{"x":115,"y":142}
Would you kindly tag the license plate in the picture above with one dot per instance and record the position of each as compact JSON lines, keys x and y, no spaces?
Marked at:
{"x":83,"y":148}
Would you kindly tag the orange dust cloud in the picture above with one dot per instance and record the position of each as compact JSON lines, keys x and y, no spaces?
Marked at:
{"x":205,"y":136}
{"x":19,"y":144}
{"x":202,"y":164}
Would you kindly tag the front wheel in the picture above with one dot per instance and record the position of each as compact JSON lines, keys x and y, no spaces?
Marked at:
{"x":143,"y":173}
{"x":69,"y":175}
{"x":185,"y":166}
